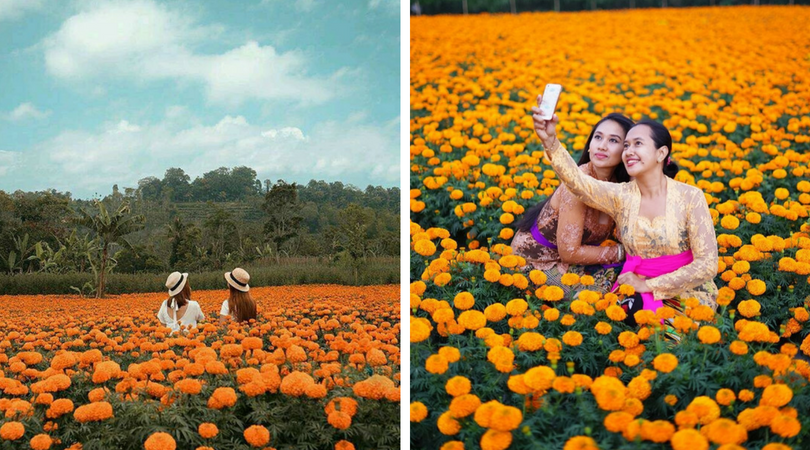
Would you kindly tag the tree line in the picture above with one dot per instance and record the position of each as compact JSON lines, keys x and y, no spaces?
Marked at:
{"x":222,"y":219}
{"x":517,"y":6}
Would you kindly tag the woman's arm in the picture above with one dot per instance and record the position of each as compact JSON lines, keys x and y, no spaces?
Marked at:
{"x":162,"y":315}
{"x":570,"y":228}
{"x":602,"y":195}
{"x":702,"y":242}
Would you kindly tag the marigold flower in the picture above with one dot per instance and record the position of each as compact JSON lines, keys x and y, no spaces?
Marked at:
{"x":223,"y":397}
{"x":572,"y":338}
{"x":776,"y":395}
{"x":94,"y":412}
{"x":616,"y":313}
{"x":463,"y":301}
{"x":725,"y":397}
{"x":617,"y":421}
{"x":563,"y":385}
{"x":11,"y":431}
{"x":725,"y":431}
{"x":553,"y":293}
{"x":339,"y":419}
{"x":496,"y":440}
{"x":705,"y":409}
{"x":257,"y":435}
{"x":160,"y":441}
{"x":464,"y":405}
{"x":344,"y":445}
{"x":659,"y":431}
{"x":786,"y":426}
{"x":689,"y":439}
{"x":458,"y":385}
{"x":418,"y":412}
{"x":609,"y":392}
{"x":448,"y":425}
{"x":207,"y":430}
{"x":665,"y":362}
{"x":580,"y":443}
{"x":41,"y":442}
{"x":708,"y":334}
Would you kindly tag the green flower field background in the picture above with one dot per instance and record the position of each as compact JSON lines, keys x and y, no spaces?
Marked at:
{"x":500,"y":360}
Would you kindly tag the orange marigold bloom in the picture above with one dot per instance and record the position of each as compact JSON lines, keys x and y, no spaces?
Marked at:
{"x":572,"y":338}
{"x":447,"y":424}
{"x":746,"y":395}
{"x":705,"y":409}
{"x":464,"y":405}
{"x":563,"y":385}
{"x":41,"y":442}
{"x":609,"y":393}
{"x":665,"y":362}
{"x":539,"y":378}
{"x":339,"y":420}
{"x":616,"y":313}
{"x":344,"y":445}
{"x":496,"y":440}
{"x":776,"y":395}
{"x":418,"y":412}
{"x":580,"y":443}
{"x":786,"y":426}
{"x":617,"y":421}
{"x":160,"y":441}
{"x":659,"y":431}
{"x":670,"y":400}
{"x":11,"y":431}
{"x":628,"y":339}
{"x":94,"y":412}
{"x":458,"y":385}
{"x":689,"y":439}
{"x":708,"y":334}
{"x":738,"y":348}
{"x":639,"y":387}
{"x":59,"y":407}
{"x":603,"y":328}
{"x":375,"y":387}
{"x":257,"y":436}
{"x":208,"y":430}
{"x":725,"y":397}
{"x":222,"y":397}
{"x":725,"y":431}
{"x":189,"y":386}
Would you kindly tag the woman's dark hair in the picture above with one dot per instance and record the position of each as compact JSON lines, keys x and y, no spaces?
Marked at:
{"x":620,"y":173}
{"x":183,"y":296}
{"x":661,"y":137}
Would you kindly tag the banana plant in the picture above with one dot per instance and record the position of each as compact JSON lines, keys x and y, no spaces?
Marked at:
{"x":17,"y":257}
{"x":110,"y":228}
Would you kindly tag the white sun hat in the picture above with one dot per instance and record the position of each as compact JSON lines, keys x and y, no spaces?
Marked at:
{"x":176,"y":282}
{"x":238,"y":279}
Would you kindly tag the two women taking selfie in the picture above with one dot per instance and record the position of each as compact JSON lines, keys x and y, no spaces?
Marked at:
{"x":664,"y":225}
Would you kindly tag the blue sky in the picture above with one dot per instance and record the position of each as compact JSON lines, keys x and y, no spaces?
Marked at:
{"x":97,"y":93}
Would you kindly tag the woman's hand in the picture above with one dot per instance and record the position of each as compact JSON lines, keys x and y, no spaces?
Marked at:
{"x":639,"y":283}
{"x":546,"y":129}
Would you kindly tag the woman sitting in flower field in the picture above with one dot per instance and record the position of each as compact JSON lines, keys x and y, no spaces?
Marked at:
{"x":240,"y":304}
{"x":665,"y":225}
{"x":184,"y":311}
{"x":552,"y":242}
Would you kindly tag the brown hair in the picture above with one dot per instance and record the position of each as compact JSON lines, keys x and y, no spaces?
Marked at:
{"x":241,"y":305}
{"x":183,"y":296}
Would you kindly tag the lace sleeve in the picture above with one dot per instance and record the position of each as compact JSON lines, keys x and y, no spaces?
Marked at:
{"x":570,"y":228}
{"x":601,"y":195}
{"x":702,"y":242}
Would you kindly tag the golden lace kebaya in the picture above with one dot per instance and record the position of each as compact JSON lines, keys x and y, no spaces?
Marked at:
{"x":687,"y":225}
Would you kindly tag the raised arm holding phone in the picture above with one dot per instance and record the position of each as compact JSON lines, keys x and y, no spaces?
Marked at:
{"x":665,"y":225}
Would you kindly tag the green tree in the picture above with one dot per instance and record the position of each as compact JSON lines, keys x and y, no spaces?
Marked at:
{"x":282,"y":207}
{"x":176,"y":185}
{"x":110,"y":227}
{"x":184,"y":238}
{"x":223,"y":235}
{"x":351,"y":235}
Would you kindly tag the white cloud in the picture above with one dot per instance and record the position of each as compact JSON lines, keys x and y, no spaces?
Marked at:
{"x":144,"y":41}
{"x":7,"y":161}
{"x":122,"y":153}
{"x":14,"y":9}
{"x":27,"y":111}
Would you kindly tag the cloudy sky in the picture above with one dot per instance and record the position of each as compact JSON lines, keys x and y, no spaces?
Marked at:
{"x":97,"y":93}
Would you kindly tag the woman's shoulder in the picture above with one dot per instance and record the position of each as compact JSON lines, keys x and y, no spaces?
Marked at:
{"x":687,"y":190}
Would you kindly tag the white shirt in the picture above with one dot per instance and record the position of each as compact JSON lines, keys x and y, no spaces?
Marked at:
{"x":169,"y":317}
{"x":225,"y":310}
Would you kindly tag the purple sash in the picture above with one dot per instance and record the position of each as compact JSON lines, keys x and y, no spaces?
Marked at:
{"x":538,"y":236}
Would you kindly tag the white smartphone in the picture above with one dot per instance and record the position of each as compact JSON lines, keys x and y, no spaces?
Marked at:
{"x":549,"y":103}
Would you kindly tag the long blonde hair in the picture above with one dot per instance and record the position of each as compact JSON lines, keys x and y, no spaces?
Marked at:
{"x":241,"y":305}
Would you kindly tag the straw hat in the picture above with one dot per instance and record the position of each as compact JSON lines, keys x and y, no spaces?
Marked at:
{"x":238,"y":279}
{"x":176,"y":282}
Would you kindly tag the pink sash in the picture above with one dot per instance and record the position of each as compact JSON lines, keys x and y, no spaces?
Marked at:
{"x":655,"y":267}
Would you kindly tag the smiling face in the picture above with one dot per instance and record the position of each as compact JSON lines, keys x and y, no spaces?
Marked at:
{"x":640,"y":154}
{"x":607,"y":145}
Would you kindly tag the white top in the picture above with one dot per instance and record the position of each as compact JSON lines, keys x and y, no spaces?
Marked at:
{"x":225,"y":310}
{"x":168,"y":316}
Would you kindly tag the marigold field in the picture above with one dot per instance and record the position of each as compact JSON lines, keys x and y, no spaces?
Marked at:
{"x":500,"y":360}
{"x":318,"y":369}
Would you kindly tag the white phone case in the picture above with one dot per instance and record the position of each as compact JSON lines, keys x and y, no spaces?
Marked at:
{"x":549,"y":103}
